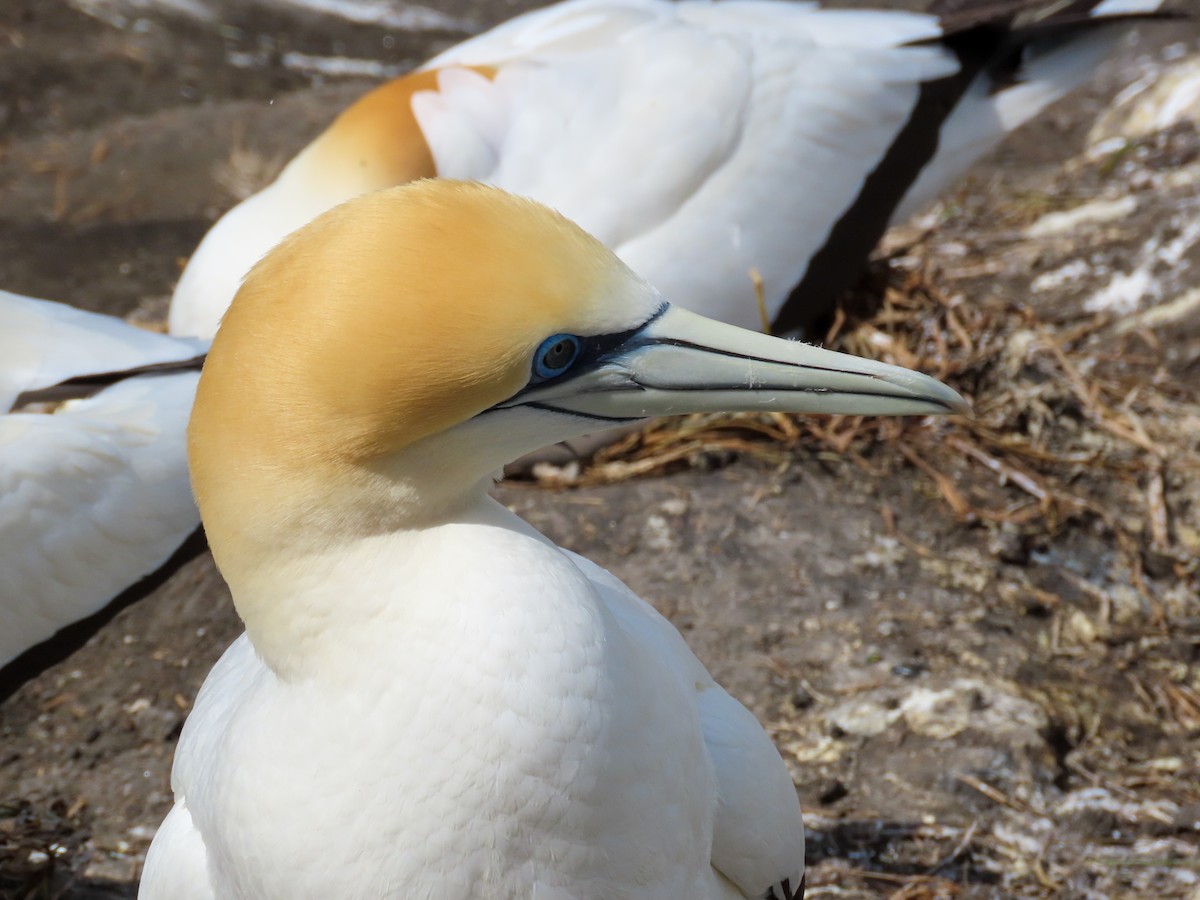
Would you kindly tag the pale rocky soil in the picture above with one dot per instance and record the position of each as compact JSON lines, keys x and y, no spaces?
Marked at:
{"x":998,"y":700}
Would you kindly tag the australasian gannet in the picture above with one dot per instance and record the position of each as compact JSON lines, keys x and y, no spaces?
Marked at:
{"x":93,"y":491}
{"x":813,"y":125}
{"x":431,"y":699}
{"x":706,"y":143}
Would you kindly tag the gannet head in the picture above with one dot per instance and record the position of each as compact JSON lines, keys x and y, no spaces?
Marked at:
{"x":383,"y":361}
{"x":374,"y":143}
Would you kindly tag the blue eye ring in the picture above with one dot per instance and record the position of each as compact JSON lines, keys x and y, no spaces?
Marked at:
{"x":555,"y":355}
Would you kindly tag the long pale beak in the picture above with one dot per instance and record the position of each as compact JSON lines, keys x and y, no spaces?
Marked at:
{"x":680,"y":362}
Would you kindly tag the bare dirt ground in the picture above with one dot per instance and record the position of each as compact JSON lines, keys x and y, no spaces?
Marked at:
{"x":975,"y":642}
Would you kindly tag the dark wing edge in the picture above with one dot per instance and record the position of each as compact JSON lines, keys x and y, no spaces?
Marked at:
{"x":64,"y":642}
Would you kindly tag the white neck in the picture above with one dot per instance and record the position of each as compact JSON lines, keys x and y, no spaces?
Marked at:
{"x":332,"y":608}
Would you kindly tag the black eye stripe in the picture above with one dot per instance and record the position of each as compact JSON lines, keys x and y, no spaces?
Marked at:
{"x":593,"y":352}
{"x":596,"y":349}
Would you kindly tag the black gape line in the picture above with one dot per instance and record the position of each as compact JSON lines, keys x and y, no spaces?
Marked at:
{"x":595,"y":417}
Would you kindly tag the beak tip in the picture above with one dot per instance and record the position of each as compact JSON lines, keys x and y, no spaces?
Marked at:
{"x":946,"y":400}
{"x":960,"y":407}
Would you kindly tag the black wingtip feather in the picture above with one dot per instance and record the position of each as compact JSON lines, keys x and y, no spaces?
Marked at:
{"x":784,"y":891}
{"x":1027,"y":16}
{"x":82,"y":386}
{"x":66,"y":641}
{"x":987,"y":36}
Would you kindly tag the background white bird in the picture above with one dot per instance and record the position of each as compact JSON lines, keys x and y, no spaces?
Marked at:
{"x":94,"y":494}
{"x":711,"y":145}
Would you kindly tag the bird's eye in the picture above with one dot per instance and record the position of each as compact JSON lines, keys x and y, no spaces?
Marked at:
{"x":555,"y":355}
